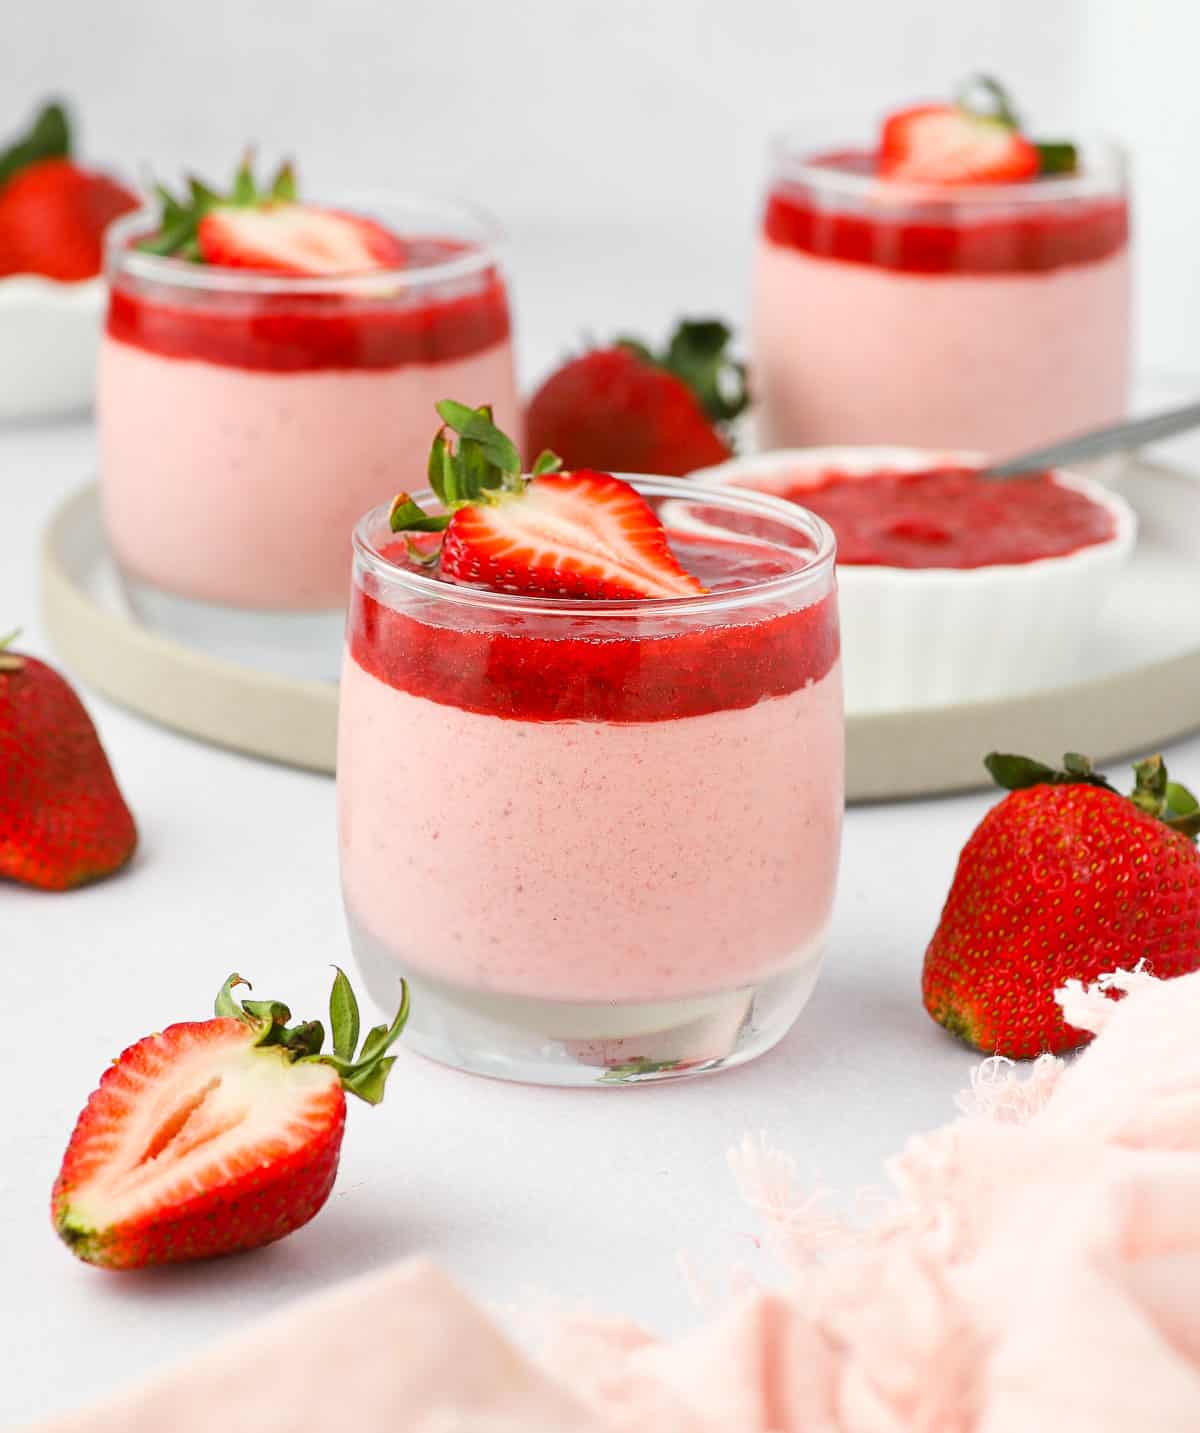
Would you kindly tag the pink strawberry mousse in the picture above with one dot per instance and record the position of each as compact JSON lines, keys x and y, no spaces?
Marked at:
{"x":994,"y":318}
{"x":242,"y":433}
{"x":594,"y":813}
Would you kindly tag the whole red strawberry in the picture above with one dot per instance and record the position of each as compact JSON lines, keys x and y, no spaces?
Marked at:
{"x":53,"y":216}
{"x":63,"y":821}
{"x":624,"y":409}
{"x":1065,"y":879}
{"x":218,"y":1135}
{"x":53,"y":213}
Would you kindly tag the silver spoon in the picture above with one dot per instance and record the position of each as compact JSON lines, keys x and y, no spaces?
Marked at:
{"x":1119,"y":438}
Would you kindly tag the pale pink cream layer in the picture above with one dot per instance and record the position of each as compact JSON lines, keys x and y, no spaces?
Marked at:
{"x":241,"y":487}
{"x":590,"y":861}
{"x":847,"y":353}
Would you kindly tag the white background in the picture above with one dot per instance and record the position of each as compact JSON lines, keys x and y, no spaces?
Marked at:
{"x":618,"y":131}
{"x":624,"y":145}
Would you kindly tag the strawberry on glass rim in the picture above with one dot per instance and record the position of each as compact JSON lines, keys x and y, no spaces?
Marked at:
{"x":551,"y":534}
{"x":219,"y":1135}
{"x":976,"y":140}
{"x":269,"y":230}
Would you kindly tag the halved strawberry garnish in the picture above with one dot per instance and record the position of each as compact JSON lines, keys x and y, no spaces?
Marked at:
{"x":218,"y":1135}
{"x":944,"y":144}
{"x":296,"y":239}
{"x":553,"y":534}
{"x":566,"y":535}
{"x":976,"y":140}
{"x":268,"y":230}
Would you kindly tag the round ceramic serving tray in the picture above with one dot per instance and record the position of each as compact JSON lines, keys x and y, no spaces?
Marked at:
{"x":1135,"y":686}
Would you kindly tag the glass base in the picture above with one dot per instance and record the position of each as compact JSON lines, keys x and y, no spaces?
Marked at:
{"x":550,"y":1042}
{"x":288,"y":644}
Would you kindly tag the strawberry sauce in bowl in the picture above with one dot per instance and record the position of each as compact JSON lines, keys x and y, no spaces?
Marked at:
{"x":952,"y":587}
{"x":599,"y":837}
{"x":247,"y":418}
{"x":951,"y":517}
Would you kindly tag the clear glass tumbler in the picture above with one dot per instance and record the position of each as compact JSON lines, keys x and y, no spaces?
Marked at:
{"x":247,"y":419}
{"x":993,"y":317}
{"x":599,"y":839}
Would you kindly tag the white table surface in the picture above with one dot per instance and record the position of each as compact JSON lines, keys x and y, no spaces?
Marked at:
{"x":590,"y":1196}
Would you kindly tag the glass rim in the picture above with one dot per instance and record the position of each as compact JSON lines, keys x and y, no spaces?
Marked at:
{"x":796,"y":159}
{"x":815,"y":565}
{"x":487,"y":247}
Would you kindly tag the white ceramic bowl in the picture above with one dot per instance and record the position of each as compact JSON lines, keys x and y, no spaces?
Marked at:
{"x":49,"y":338}
{"x":938,"y":636}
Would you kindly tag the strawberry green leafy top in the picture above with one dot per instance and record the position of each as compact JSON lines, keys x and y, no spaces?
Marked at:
{"x":49,"y":137}
{"x":364,"y":1074}
{"x":181,"y":218}
{"x":1173,"y":804}
{"x":983,"y":97}
{"x":698,"y":354}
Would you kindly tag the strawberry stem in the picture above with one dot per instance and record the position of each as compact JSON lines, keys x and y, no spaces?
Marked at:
{"x":1165,"y":800}
{"x":470,"y":461}
{"x":364,"y":1075}
{"x":180,"y":220}
{"x":697,"y":354}
{"x":49,"y":137}
{"x":1015,"y":773}
{"x":9,"y":661}
{"x":1056,"y":156}
{"x":983,"y":97}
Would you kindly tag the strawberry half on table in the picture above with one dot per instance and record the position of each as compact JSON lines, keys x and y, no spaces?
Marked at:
{"x":218,"y":1135}
{"x":626,"y":409}
{"x":552,"y":534}
{"x":976,"y":140}
{"x":1065,"y":879}
{"x":63,"y":820}
{"x":53,"y":213}
{"x":268,"y":229}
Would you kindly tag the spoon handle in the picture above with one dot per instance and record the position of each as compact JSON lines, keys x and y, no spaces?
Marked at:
{"x":1119,"y":438}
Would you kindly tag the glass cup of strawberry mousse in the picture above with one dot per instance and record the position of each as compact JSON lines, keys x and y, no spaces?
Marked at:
{"x":897,"y":302}
{"x":263,"y":357}
{"x":598,"y":834}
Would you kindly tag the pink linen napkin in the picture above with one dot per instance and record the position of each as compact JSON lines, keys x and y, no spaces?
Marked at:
{"x":1037,"y":1265}
{"x":396,"y":1351}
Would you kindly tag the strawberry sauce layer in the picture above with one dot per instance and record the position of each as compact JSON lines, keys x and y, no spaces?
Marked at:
{"x":289,"y":333}
{"x":951,"y":517}
{"x":925,"y":237}
{"x":538,"y":669}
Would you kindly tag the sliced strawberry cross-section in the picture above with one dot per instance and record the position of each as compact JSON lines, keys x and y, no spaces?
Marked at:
{"x":554,"y":534}
{"x":943,"y":144}
{"x":976,"y":140}
{"x":266,"y":228}
{"x":296,"y":239}
{"x":217,"y":1135}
